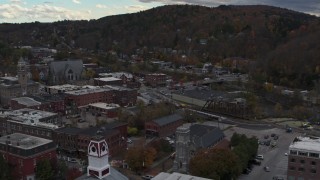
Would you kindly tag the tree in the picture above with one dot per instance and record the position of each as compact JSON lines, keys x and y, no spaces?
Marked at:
{"x":5,"y":170}
{"x":245,"y":148}
{"x":139,"y":157}
{"x":278,"y":109}
{"x":215,"y":164}
{"x":44,"y":170}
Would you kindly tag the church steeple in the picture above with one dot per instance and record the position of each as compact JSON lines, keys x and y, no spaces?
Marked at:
{"x":98,"y":155}
{"x":22,"y":71}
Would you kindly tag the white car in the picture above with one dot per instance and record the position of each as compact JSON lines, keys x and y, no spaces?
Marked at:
{"x":259,"y":157}
{"x":129,"y":141}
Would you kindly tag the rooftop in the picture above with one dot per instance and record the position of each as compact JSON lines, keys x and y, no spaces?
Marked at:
{"x":176,"y":176}
{"x":87,"y":91}
{"x":64,"y":87}
{"x":29,"y":116}
{"x":103,"y":105}
{"x":116,"y":74}
{"x":306,"y":143}
{"x":23,"y":141}
{"x":107,"y":79}
{"x":204,"y":136}
{"x":27,"y":101}
{"x":167,"y":119}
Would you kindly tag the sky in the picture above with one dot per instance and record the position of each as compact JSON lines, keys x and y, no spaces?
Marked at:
{"x":18,"y":11}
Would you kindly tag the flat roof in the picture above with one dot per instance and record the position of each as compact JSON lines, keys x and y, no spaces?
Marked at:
{"x":27,"y":101}
{"x":23,"y":141}
{"x":103,"y":105}
{"x":65,"y":87}
{"x":306,"y":143}
{"x":107,"y":79}
{"x":29,"y":116}
{"x":86,"y":91}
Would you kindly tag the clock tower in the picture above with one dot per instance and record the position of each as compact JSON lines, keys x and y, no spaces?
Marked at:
{"x":98,"y":155}
{"x":22,"y":72}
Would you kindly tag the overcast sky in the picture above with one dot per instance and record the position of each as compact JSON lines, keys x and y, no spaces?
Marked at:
{"x":16,"y":11}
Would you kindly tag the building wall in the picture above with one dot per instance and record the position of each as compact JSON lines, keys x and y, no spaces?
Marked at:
{"x":85,"y":99}
{"x":155,"y":80}
{"x":303,"y":168}
{"x":162,"y":131}
{"x":25,"y":166}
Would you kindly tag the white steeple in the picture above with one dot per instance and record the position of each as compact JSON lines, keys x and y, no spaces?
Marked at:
{"x":98,"y":155}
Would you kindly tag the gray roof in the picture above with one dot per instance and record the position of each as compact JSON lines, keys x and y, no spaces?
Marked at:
{"x":59,"y":68}
{"x":168,"y":119}
{"x":204,"y":136}
{"x":114,"y":175}
{"x":177,"y":176}
{"x":69,"y":130}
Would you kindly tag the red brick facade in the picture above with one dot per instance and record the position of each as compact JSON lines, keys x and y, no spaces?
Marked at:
{"x":156,"y":80}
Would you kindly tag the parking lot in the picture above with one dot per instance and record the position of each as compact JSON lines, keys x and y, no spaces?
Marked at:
{"x":274,"y":157}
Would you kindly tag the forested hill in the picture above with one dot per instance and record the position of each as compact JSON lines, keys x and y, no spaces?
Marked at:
{"x":286,"y":42}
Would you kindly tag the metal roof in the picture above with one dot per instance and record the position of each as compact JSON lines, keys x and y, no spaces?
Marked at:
{"x":204,"y":136}
{"x":168,"y":119}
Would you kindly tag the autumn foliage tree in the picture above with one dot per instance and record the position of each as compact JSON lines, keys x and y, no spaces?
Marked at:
{"x":215,"y":164}
{"x":139,"y":158}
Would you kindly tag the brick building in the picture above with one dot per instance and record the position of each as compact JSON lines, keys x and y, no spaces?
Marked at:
{"x":52,"y":103}
{"x":23,"y":151}
{"x":103,"y":109}
{"x":124,"y":96}
{"x":29,"y":121}
{"x":156,"y":80}
{"x":163,"y":126}
{"x":304,"y":159}
{"x":87,"y":96}
{"x":74,"y":141}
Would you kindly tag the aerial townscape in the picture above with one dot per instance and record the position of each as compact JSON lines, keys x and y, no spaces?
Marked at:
{"x":175,"y":92}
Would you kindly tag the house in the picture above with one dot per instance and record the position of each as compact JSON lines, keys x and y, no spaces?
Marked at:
{"x":163,"y":126}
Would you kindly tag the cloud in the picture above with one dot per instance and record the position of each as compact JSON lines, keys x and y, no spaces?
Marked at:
{"x":10,"y":12}
{"x":101,"y":6}
{"x":16,"y":1}
{"x":135,"y":8}
{"x":76,"y":1}
{"x":307,"y":6}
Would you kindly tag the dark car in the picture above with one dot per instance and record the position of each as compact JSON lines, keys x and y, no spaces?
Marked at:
{"x":276,"y":137}
{"x":266,"y":136}
{"x":147,"y":177}
{"x":246,"y":171}
{"x":273,"y":134}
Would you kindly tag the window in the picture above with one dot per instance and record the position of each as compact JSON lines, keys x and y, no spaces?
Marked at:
{"x":313,"y":171}
{"x":313,"y":163}
{"x":292,"y":168}
{"x":292,"y":160}
{"x":302,"y":161}
{"x":301,"y":153}
{"x":316,"y":155}
{"x":301,"y":169}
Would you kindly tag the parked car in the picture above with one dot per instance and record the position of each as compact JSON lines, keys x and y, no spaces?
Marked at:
{"x":147,"y":177}
{"x":276,"y":137}
{"x":273,"y":134}
{"x":266,"y":136}
{"x":129,"y":141}
{"x":259,"y":156}
{"x":266,"y":168}
{"x":72,"y":160}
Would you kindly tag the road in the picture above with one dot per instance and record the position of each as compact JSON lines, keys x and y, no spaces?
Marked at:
{"x":274,"y":158}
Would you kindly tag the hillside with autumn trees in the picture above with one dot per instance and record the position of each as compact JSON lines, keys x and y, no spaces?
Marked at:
{"x":284,"y":43}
